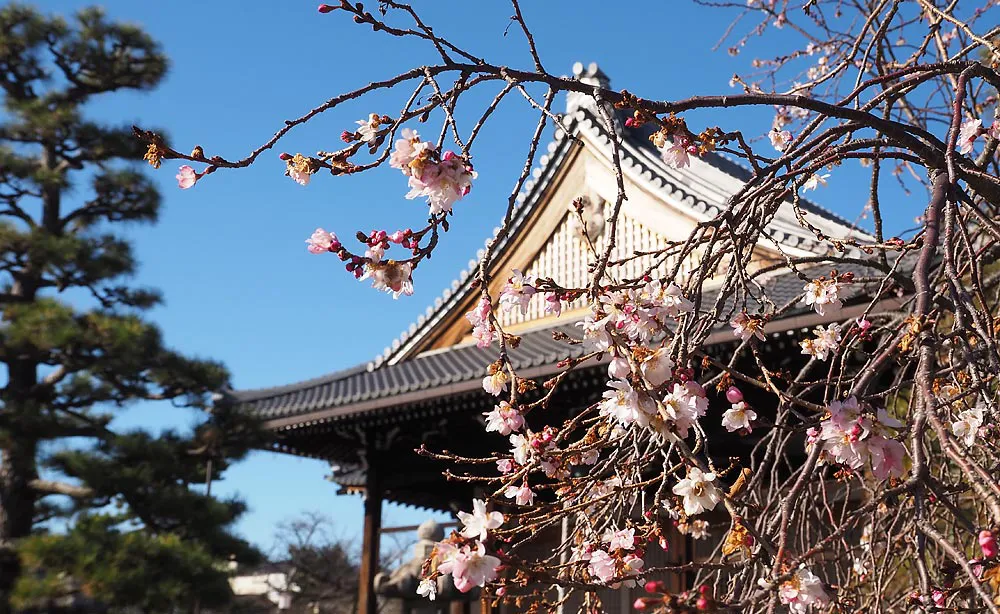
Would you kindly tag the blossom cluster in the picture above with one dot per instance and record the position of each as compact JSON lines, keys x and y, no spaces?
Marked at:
{"x":443,"y":179}
{"x":852,"y":437}
{"x":971,"y":130}
{"x":463,"y":555}
{"x":826,"y":342}
{"x":803,"y":592}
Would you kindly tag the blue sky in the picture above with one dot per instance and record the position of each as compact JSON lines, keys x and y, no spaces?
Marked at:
{"x":229,"y":254}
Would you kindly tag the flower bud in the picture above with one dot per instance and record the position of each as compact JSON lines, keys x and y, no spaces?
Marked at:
{"x":733,"y":395}
{"x":703,"y":604}
{"x":325,"y":8}
{"x":988,"y":543}
{"x":655,"y":586}
{"x":644,"y":603}
{"x":285,"y":156}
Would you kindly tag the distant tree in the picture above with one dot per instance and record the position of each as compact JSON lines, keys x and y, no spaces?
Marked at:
{"x":322,"y":566}
{"x":75,"y":346}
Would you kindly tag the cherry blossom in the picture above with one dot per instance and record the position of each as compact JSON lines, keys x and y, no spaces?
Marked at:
{"x":505,"y":465}
{"x":521,"y":448}
{"x":698,"y":491}
{"x":803,"y":592}
{"x":746,"y":326}
{"x":887,"y":457}
{"x":625,"y":404}
{"x":827,"y":340}
{"x":821,"y":294}
{"x":967,"y":426}
{"x":676,"y":153}
{"x":496,"y":382}
{"x":393,"y":277}
{"x":684,"y":404}
{"x":299,"y":168}
{"x":186,"y":177}
{"x":657,"y":368}
{"x":623,"y":539}
{"x":602,"y":565}
{"x":504,"y":419}
{"x":619,"y":368}
{"x":427,"y":588}
{"x":482,"y":328}
{"x":522,"y":495}
{"x":479,"y":522}
{"x":968,"y":134}
{"x":553,"y":304}
{"x":368,"y":129}
{"x":780,"y":139}
{"x":470,"y":566}
{"x":322,"y":241}
{"x":518,"y":292}
{"x":737,"y":417}
{"x":814,"y":181}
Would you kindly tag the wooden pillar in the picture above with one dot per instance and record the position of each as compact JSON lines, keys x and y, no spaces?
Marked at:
{"x":460,"y":606}
{"x":367,"y":600}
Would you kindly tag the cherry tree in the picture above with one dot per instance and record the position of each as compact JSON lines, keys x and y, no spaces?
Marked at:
{"x":871,"y":485}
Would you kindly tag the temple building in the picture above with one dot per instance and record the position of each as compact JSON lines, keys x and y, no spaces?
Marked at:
{"x":425,"y":388}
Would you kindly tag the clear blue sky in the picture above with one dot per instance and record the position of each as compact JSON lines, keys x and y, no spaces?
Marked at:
{"x":229,"y":254}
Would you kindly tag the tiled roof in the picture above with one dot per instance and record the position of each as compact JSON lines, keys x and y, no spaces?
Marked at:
{"x":461,"y":364}
{"x":431,"y":370}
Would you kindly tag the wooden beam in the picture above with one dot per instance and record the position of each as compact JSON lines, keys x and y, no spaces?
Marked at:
{"x":367,"y":599}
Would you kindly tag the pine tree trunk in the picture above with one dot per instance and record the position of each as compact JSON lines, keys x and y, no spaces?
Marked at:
{"x":17,"y":507}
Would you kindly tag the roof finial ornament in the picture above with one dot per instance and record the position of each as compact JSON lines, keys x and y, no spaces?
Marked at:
{"x":591,"y":75}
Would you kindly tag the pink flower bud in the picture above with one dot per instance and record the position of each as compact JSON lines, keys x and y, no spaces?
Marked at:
{"x":397,"y":237}
{"x":864,"y":325}
{"x":644,"y":603}
{"x":285,"y":156}
{"x":448,"y":155}
{"x":501,"y":591}
{"x":988,"y":543}
{"x":347,"y":136}
{"x":630,"y":122}
{"x":325,"y":8}
{"x":733,"y":395}
{"x":703,"y":604}
{"x":655,"y":586}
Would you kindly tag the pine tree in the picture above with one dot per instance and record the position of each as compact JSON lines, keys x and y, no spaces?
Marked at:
{"x":76,"y":347}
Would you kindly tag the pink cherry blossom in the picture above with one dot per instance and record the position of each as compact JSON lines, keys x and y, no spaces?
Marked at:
{"x":623,"y":539}
{"x":553,"y":304}
{"x":496,"y":382}
{"x":803,"y":592}
{"x":887,"y":457}
{"x":322,"y":241}
{"x":602,"y":565}
{"x":479,"y":522}
{"x":470,"y":567}
{"x":186,"y":177}
{"x":393,"y":277}
{"x":619,"y":368}
{"x":823,"y":294}
{"x":522,"y":495}
{"x":504,"y":419}
{"x":746,"y":326}
{"x":657,"y":368}
{"x":780,"y":138}
{"x":738,"y":417}
{"x":368,"y":129}
{"x":518,"y":292}
{"x":675,"y":154}
{"x":698,"y":491}
{"x":968,"y":134}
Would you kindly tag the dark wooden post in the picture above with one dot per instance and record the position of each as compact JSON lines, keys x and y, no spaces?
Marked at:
{"x":367,"y":600}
